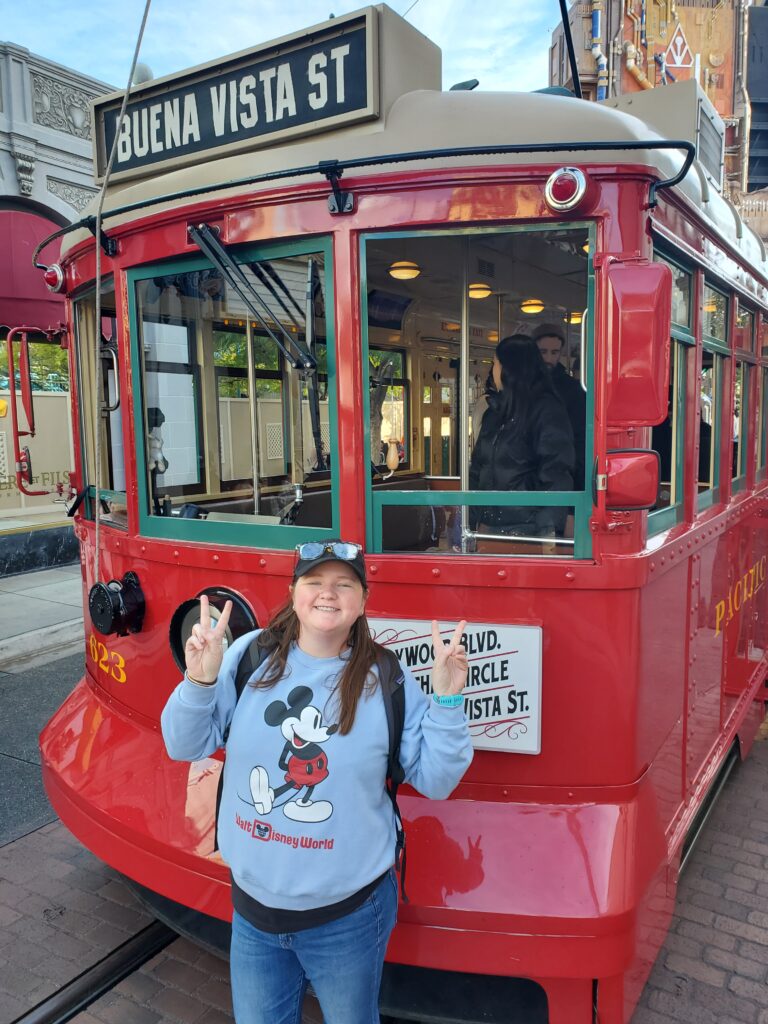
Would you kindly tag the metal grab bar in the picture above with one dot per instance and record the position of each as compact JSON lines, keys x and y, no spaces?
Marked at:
{"x":108,"y":350}
{"x":517,"y":538}
{"x":583,"y":351}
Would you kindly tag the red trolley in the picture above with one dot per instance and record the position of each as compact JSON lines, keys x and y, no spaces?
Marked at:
{"x":308,"y":253}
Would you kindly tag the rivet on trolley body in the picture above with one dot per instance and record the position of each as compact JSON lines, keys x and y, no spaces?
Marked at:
{"x":502,"y":574}
{"x":435,"y":572}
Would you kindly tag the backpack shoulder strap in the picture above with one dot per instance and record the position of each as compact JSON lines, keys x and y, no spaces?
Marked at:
{"x":253,"y":656}
{"x":391,"y":680}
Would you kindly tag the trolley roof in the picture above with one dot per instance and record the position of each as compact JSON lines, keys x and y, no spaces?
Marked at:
{"x":406,"y":113}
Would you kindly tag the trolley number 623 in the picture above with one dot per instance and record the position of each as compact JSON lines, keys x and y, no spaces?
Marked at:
{"x":110,"y":662}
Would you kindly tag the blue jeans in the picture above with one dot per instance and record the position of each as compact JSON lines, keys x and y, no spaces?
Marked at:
{"x":342,"y":959}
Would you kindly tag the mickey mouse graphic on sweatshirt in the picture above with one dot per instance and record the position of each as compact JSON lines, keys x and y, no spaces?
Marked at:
{"x":304,"y":762}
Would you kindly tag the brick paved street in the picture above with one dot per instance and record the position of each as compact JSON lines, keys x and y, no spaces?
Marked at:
{"x":714,"y":964}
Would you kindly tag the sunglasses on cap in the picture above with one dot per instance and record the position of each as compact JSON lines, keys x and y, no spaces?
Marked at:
{"x":338,"y":548}
{"x":314,"y":553}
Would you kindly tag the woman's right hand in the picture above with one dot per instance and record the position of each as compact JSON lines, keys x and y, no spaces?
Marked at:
{"x":204,"y":650}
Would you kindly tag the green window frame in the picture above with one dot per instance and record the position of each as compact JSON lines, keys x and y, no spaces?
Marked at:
{"x":682,"y":344}
{"x":715,"y":342}
{"x":282,"y":536}
{"x":580,"y":501}
{"x":762,"y":404}
{"x":742,"y":379}
{"x":110,"y":496}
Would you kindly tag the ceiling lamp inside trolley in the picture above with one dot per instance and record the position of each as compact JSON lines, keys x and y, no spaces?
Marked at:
{"x":479,"y":290}
{"x":531,"y":306}
{"x":404,"y":270}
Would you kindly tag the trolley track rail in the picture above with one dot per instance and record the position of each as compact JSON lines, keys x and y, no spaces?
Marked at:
{"x":83,"y":990}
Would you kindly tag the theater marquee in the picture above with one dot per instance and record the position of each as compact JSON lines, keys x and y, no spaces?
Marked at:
{"x":297,"y":85}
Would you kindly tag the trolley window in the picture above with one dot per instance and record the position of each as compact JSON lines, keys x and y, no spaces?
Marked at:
{"x":710,"y":408}
{"x":237,"y":428}
{"x":443,"y":301}
{"x":762,"y":404}
{"x":100,"y":358}
{"x":668,"y":438}
{"x":712,"y":404}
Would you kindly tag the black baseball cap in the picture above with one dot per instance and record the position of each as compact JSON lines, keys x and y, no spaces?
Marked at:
{"x":314,"y":553}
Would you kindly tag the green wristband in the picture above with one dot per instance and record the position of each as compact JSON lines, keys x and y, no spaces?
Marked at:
{"x":454,"y":700}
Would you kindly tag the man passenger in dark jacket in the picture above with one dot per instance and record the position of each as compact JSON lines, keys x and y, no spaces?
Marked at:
{"x":550,"y":340}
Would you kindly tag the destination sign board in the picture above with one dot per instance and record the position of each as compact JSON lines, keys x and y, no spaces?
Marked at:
{"x":317,"y":80}
{"x":502,"y":696}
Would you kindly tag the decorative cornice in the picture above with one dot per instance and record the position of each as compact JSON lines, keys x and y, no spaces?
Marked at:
{"x":61,"y":106}
{"x":77,"y":196}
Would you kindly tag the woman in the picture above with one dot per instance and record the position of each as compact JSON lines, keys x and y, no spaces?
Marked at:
{"x":307,"y":744}
{"x":525,"y":444}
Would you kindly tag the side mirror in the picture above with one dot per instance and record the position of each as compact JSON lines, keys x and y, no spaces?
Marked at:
{"x":637,"y":343}
{"x":632,"y":479}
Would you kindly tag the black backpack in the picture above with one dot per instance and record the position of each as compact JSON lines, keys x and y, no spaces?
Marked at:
{"x":391,"y":680}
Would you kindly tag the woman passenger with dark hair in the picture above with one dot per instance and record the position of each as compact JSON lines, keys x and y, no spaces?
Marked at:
{"x":525,"y":444}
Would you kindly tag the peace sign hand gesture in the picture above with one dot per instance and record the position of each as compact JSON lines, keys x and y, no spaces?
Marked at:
{"x":449,"y":672}
{"x":204,"y":650}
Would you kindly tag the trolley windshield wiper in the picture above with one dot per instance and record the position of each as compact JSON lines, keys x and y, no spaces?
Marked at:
{"x":206,"y":239}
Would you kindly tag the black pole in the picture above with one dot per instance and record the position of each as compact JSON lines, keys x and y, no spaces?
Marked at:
{"x":569,"y":44}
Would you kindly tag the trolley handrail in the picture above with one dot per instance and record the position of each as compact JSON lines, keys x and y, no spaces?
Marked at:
{"x":393,"y":158}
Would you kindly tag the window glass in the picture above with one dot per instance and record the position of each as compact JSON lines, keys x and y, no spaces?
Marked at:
{"x":745,"y":322}
{"x":234,"y":431}
{"x":668,"y":437}
{"x":715,"y":312}
{"x":762,"y":441}
{"x":390,"y":405}
{"x":681,"y":293}
{"x":522,"y":428}
{"x":740,"y":420}
{"x":93,"y":361}
{"x":709,"y":407}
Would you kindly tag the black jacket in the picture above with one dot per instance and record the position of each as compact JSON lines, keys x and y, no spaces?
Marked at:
{"x":535,"y":455}
{"x":574,"y":399}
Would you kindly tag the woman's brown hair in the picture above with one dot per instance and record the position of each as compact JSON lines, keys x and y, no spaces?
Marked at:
{"x":356,"y":677}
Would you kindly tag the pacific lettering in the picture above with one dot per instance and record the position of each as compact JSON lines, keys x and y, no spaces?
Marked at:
{"x":740,"y":593}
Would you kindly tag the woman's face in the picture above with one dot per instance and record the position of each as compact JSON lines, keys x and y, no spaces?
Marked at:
{"x":496,"y":371}
{"x":328,"y":600}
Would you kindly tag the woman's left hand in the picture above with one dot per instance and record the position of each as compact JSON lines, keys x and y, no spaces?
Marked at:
{"x":449,"y":672}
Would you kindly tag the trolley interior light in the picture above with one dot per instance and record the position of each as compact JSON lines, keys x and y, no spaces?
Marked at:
{"x":531,"y":306}
{"x":565,"y":188}
{"x":404,"y":270}
{"x":479,"y":290}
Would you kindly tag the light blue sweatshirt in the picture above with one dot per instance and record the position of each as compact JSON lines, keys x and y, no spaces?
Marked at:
{"x":305,"y":820}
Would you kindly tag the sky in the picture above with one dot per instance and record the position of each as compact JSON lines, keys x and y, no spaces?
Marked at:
{"x":504,"y":45}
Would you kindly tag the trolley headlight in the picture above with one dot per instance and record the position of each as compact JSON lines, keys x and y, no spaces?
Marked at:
{"x":54,"y":278}
{"x":241,"y":621}
{"x":565,"y":188}
{"x":117,"y":606}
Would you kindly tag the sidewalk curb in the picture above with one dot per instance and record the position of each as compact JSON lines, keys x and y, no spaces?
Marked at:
{"x":15,"y":650}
